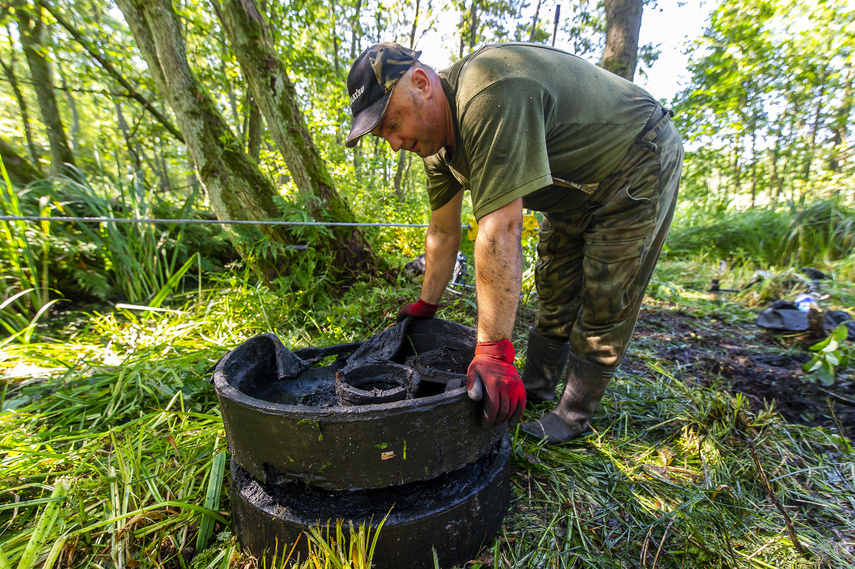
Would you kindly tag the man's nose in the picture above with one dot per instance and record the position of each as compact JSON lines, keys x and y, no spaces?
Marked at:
{"x":395,"y":142}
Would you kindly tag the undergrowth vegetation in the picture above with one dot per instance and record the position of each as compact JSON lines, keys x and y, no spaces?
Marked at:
{"x":816,"y":234}
{"x":111,"y":435}
{"x":112,"y":451}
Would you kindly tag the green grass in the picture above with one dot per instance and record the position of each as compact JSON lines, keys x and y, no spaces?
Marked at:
{"x":112,"y":454}
{"x":817,"y":235}
{"x":24,"y":262}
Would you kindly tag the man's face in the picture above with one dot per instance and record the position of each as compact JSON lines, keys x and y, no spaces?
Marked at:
{"x":411,"y":121}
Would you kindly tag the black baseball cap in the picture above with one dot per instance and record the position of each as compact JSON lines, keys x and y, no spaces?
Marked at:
{"x":370,"y":81}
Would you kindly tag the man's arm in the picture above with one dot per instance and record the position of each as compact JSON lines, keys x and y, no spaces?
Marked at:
{"x":498,"y":271}
{"x":442,"y":242}
{"x":491,"y":376}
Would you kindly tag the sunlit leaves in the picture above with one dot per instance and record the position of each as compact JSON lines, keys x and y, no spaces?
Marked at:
{"x":770,"y":90}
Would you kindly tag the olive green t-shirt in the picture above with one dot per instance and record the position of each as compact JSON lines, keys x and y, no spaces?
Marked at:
{"x":536,"y":123}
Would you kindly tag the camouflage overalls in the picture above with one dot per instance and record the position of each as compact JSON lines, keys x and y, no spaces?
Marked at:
{"x":595,"y":262}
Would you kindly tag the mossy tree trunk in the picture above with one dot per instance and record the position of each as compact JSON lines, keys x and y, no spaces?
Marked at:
{"x":276,"y":97}
{"x":236,"y":187}
{"x":31,"y":31}
{"x":623,"y":25}
{"x":20,"y":171}
{"x":11,"y":77}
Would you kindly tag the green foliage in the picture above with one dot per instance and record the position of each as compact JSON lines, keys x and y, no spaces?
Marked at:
{"x":812,"y":235}
{"x":44,"y":528}
{"x":828,"y":355}
{"x":139,"y":259}
{"x":24,"y":261}
{"x":212,"y":497}
{"x":770,"y":102}
{"x":109,"y":259}
{"x":120,"y":404}
{"x":340,"y":550}
{"x":119,"y":401}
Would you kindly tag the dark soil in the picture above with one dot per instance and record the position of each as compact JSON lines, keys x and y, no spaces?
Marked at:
{"x":720,"y":350}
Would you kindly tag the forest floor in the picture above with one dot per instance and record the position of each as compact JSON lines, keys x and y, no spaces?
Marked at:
{"x":706,"y":404}
{"x":715,"y":350}
{"x":709,"y":449}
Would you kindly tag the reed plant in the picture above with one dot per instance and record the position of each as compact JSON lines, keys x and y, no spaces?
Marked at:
{"x":819,"y":235}
{"x":141,"y":260}
{"x":24,"y":261}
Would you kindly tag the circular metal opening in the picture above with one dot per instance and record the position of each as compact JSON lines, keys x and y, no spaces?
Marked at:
{"x":378,"y":383}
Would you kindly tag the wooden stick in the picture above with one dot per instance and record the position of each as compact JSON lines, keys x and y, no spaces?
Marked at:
{"x":790,"y":527}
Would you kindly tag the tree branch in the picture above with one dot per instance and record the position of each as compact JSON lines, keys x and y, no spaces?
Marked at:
{"x":112,"y":71}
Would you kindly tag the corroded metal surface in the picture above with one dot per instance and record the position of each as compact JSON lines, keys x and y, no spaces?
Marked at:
{"x":308,"y":437}
{"x":358,"y":432}
{"x":453,"y":515}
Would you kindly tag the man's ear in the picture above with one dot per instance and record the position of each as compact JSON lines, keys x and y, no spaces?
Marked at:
{"x":421,"y":82}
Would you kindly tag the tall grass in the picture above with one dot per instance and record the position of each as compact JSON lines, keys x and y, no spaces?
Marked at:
{"x":122,"y":409}
{"x":133,"y":423}
{"x":141,"y":259}
{"x":112,"y":453}
{"x":142,"y":263}
{"x":820,"y":234}
{"x":24,"y":260}
{"x":121,"y":414}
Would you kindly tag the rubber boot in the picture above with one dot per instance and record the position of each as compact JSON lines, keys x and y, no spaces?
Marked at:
{"x":586,"y":384}
{"x":544,"y":364}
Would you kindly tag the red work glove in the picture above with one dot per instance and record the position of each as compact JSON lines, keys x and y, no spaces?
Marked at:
{"x":420,"y":309}
{"x":492,"y":371}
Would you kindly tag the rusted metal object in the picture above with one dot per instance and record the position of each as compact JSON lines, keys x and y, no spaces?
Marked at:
{"x":455,"y":514}
{"x":386,"y":424}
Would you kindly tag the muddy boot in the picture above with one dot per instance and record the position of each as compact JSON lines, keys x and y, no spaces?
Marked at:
{"x":544,"y":364}
{"x":586,"y":384}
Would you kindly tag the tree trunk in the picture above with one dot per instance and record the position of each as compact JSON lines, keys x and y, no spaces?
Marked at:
{"x":534,"y":22}
{"x":334,"y":33}
{"x":473,"y":25}
{"x":277,"y":99}
{"x":753,"y":165}
{"x":623,"y":23}
{"x":401,"y":174}
{"x":165,"y":182}
{"x":356,"y":31}
{"x":224,"y":71}
{"x":20,"y":171}
{"x":31,"y":31}
{"x":403,"y":157}
{"x":776,"y":177}
{"x":788,"y":169}
{"x":415,"y":24}
{"x":235,"y":186}
{"x":9,"y":71}
{"x":72,"y":106}
{"x":737,"y":169}
{"x":126,"y":134}
{"x":808,"y":161}
{"x":253,"y":134}
{"x":355,"y":41}
{"x":462,"y":34}
{"x":841,"y":124}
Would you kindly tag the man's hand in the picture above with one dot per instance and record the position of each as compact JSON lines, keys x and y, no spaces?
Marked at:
{"x":492,"y":371}
{"x":420,"y":309}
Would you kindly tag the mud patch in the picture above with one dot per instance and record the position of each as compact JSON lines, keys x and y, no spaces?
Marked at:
{"x":761,"y":365}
